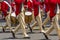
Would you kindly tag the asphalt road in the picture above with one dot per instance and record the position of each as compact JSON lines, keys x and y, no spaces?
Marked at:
{"x":33,"y":36}
{"x":36,"y":35}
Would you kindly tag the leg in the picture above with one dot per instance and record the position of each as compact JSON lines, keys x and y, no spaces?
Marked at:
{"x":39,"y":20}
{"x":15,"y":30}
{"x":46,"y":20}
{"x":8,"y":23}
{"x":51,"y":28}
{"x":3,"y":28}
{"x":33,"y":18}
{"x":57,"y":25}
{"x":34,"y":24}
{"x":23,"y":25}
{"x":18,"y":26}
{"x":48,"y":31}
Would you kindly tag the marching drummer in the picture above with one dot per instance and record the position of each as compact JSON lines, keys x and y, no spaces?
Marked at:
{"x":37,"y":15}
{"x":4,"y":5}
{"x":28,"y":10}
{"x":19,"y":15}
{"x":13,"y":15}
{"x":51,"y":6}
{"x":50,"y":12}
{"x":46,"y":2}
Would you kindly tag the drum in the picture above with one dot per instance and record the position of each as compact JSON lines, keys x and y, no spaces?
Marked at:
{"x":13,"y":14}
{"x":13,"y":18}
{"x":28,"y":16}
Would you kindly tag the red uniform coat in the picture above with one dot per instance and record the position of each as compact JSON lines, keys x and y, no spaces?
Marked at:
{"x":30,"y":5}
{"x":41,"y":5}
{"x":25,"y":4}
{"x":46,"y":2}
{"x":13,"y":6}
{"x":4,"y":8}
{"x":58,"y":2}
{"x":35,"y":6}
{"x":18,"y":5}
{"x":52,"y":4}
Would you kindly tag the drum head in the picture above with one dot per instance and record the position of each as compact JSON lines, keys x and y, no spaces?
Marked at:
{"x":28,"y":16}
{"x":28,"y":13}
{"x":13,"y":14}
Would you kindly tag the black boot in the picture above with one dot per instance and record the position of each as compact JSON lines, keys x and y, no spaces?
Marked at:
{"x":3,"y":29}
{"x":45,"y":36}
{"x":30,"y":28}
{"x":13,"y":34}
{"x":43,"y":27}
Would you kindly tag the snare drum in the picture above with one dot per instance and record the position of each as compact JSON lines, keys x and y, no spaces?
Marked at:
{"x":28,"y":16}
{"x":13,"y":18}
{"x":13,"y":14}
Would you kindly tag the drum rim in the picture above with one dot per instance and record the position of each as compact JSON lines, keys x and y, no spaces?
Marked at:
{"x":29,"y":12}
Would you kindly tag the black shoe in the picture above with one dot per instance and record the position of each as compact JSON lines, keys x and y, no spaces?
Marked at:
{"x":43,"y":27}
{"x":27,"y":37}
{"x":13,"y":34}
{"x":30,"y":28}
{"x":45,"y":36}
{"x":3,"y":30}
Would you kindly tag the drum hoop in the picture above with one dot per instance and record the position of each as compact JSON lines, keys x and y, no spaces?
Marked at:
{"x":28,"y":14}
